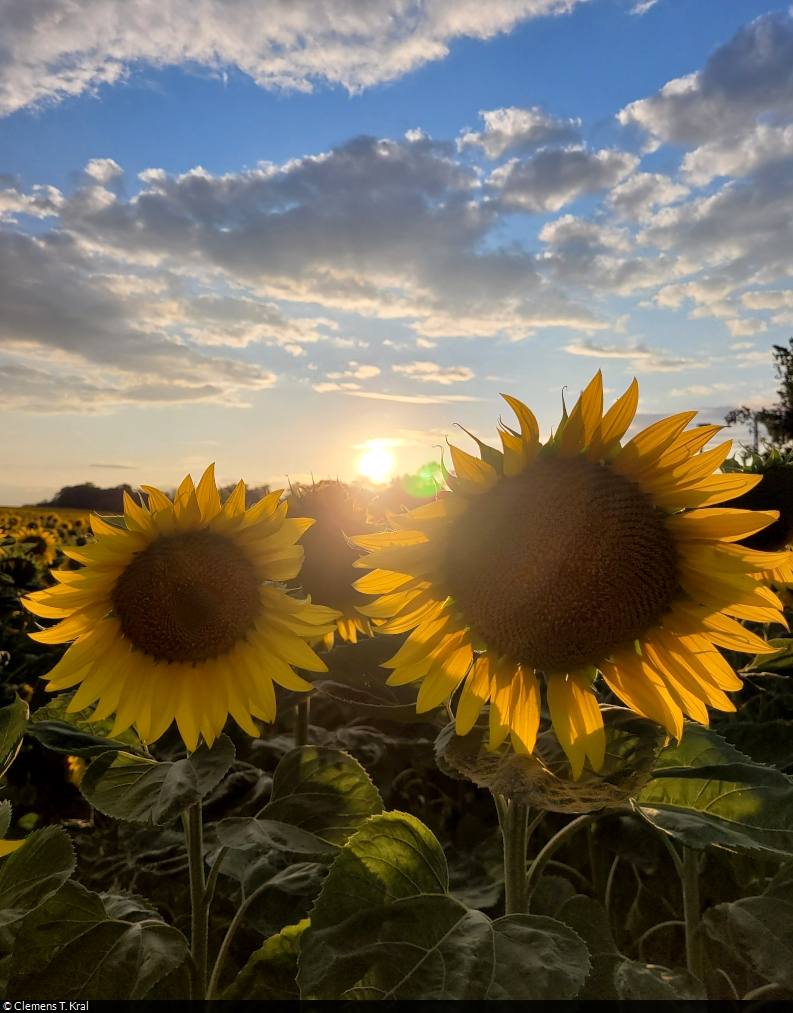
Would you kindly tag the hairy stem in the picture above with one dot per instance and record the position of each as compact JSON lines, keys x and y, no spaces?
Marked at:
{"x":199,"y":921}
{"x":513,"y":818}
{"x":691,"y":912}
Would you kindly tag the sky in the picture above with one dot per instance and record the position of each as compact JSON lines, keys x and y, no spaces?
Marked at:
{"x":275,"y":234}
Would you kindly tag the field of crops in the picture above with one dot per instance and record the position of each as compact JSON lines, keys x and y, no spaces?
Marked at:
{"x":484,"y":741}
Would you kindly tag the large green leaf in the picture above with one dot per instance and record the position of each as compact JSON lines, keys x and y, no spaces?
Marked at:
{"x":140,"y":790}
{"x":271,"y":971}
{"x":69,"y":947}
{"x":323,"y":791}
{"x":13,"y":720}
{"x":707,"y":794}
{"x":77,"y":734}
{"x":759,"y":930}
{"x":384,"y":927}
{"x":30,"y":874}
{"x":249,"y":834}
{"x":613,"y":976}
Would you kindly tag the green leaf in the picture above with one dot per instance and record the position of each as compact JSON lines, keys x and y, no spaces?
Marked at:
{"x":128,"y":907}
{"x":30,"y":874}
{"x":13,"y":720}
{"x":271,"y":971}
{"x":69,"y":947}
{"x":77,"y":734}
{"x":384,"y":927}
{"x":323,"y":791}
{"x":651,"y":981}
{"x":590,"y":920}
{"x":544,"y":779}
{"x":250,"y":834}
{"x":759,"y":930}
{"x":707,"y":794}
{"x":5,"y":818}
{"x":140,"y":790}
{"x":781,"y":660}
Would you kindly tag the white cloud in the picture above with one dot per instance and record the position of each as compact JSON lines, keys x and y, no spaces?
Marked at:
{"x":738,"y":156}
{"x":768,"y":300}
{"x":359,"y":372}
{"x":749,"y":75}
{"x":643,"y":7}
{"x":56,"y":48}
{"x":746,"y":328}
{"x":556,"y":176}
{"x":431,"y":372}
{"x":571,"y":233}
{"x":42,"y":202}
{"x":636,"y":198}
{"x":412,"y":398}
{"x":639,"y":356}
{"x":103,"y":170}
{"x":700,"y":389}
{"x":521,"y":129}
{"x":323,"y":388}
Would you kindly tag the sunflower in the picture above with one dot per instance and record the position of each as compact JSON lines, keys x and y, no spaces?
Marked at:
{"x":38,"y":542}
{"x":327,"y":573}
{"x":774,"y":492}
{"x":177,"y":615}
{"x":575,"y":558}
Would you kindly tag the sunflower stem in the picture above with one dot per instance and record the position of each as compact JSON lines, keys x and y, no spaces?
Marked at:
{"x":513,"y":818}
{"x":691,"y":913}
{"x":301,"y":723}
{"x":199,"y":921}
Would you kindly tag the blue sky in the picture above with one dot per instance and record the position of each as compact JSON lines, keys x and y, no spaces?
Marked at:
{"x":275,"y":233}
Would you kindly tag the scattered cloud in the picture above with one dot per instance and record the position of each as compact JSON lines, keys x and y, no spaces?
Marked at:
{"x":750,"y":75}
{"x":519,"y":129}
{"x":556,"y":176}
{"x":56,"y":48}
{"x":103,"y":170}
{"x":413,"y":398}
{"x":700,"y":389}
{"x":643,"y":6}
{"x":639,"y":356}
{"x":433,"y":373}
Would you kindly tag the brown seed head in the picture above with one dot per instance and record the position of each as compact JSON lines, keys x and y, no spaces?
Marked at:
{"x":559,"y":565}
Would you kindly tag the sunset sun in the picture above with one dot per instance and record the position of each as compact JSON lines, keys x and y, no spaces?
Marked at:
{"x":375,"y":464}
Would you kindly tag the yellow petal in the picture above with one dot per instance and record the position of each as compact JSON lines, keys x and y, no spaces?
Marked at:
{"x":475,"y":476}
{"x":474,"y":696}
{"x":647,"y":446}
{"x":719,"y":524}
{"x":615,"y":423}
{"x":584,"y":420}
{"x":208,"y":496}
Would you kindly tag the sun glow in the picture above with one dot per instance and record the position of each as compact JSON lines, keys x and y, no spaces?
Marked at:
{"x":376,"y":464}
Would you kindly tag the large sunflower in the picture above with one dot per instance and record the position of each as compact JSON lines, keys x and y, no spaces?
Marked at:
{"x":177,"y":615}
{"x":327,"y":573}
{"x":576,"y":557}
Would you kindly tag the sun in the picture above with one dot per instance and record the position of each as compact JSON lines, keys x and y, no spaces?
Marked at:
{"x":376,"y":463}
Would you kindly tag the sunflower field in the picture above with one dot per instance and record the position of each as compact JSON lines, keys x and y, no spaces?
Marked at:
{"x":523,"y":732}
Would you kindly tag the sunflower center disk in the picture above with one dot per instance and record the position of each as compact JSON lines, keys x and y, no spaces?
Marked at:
{"x":187,"y":597}
{"x":557,"y":567}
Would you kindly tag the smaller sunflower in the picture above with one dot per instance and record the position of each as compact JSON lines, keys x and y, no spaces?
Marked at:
{"x":38,"y":542}
{"x":327,"y":574}
{"x":179,"y":615}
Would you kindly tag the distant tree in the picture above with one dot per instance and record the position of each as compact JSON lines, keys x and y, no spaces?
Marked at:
{"x":90,"y":497}
{"x":778,"y":419}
